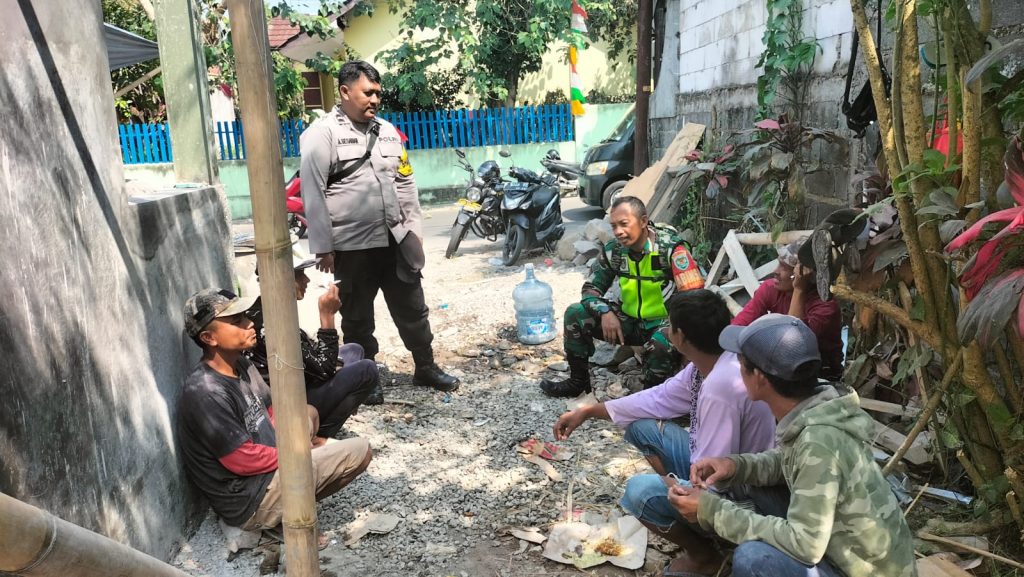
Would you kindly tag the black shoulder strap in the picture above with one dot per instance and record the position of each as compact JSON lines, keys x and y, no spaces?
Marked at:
{"x":350,"y":168}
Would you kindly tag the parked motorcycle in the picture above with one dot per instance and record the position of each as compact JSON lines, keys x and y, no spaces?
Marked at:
{"x":296,"y":208}
{"x":480,"y":207}
{"x":567,"y":174}
{"x":532,"y":209}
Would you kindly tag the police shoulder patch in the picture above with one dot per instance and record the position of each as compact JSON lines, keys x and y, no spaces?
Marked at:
{"x":404,"y":168}
{"x":681,"y":259}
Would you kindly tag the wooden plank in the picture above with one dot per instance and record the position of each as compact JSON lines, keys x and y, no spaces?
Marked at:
{"x":643,"y":186}
{"x":735,"y":285}
{"x":685,"y":142}
{"x":891,"y":440}
{"x":740,"y":264}
{"x":734,"y":307}
{"x":718,"y":266}
{"x":888,"y":408}
{"x":672,"y":201}
{"x":765,"y":238}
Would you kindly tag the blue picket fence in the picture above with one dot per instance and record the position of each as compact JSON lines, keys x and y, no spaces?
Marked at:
{"x":485,"y":126}
{"x":149,"y":143}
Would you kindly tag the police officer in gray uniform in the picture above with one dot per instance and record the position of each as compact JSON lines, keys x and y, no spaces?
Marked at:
{"x":365,"y":222}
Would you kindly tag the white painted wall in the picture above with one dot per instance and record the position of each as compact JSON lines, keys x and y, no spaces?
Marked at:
{"x":720,"y":40}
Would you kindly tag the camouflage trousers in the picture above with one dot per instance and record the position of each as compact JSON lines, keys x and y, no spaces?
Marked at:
{"x":660,"y":359}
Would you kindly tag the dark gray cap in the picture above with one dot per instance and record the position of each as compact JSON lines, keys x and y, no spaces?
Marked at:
{"x":776,"y":344}
{"x":208,"y":304}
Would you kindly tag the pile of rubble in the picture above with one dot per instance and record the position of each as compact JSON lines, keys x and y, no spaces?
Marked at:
{"x":582,"y":248}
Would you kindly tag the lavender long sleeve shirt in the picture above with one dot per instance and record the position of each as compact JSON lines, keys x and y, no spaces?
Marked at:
{"x":729,"y":422}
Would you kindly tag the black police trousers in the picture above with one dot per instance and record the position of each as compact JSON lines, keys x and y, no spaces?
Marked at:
{"x":362,"y":274}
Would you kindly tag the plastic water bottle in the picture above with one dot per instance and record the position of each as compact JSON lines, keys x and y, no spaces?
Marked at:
{"x":535,"y":310}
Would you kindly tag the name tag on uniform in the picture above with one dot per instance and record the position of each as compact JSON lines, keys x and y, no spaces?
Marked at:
{"x":348,"y":141}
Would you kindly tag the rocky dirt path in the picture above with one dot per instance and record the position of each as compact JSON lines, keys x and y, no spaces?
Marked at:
{"x":446,"y":464}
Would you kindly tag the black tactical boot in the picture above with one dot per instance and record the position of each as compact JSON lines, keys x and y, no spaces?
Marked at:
{"x":428,"y":374}
{"x":577,"y":383}
{"x":432,"y":376}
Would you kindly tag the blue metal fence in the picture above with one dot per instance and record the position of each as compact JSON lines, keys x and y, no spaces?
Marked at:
{"x":149,"y":143}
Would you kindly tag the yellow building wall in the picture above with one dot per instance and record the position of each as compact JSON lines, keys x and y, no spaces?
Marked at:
{"x":368,"y":36}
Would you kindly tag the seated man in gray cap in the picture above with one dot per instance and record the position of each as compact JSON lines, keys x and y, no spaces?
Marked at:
{"x":842,"y":517}
{"x":226,"y":421}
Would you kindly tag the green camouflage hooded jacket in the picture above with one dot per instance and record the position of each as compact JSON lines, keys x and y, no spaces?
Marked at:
{"x":841,"y":506}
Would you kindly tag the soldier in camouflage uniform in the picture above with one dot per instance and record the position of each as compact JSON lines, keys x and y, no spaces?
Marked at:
{"x":842,"y":518}
{"x":624,"y":298}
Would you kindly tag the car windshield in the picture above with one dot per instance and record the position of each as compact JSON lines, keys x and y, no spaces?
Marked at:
{"x":622,"y":129}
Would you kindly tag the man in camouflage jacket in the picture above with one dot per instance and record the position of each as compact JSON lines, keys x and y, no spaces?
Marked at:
{"x":624,"y":298}
{"x":842,"y":517}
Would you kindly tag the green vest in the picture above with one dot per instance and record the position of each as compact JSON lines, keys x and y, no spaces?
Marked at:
{"x":641,"y":286}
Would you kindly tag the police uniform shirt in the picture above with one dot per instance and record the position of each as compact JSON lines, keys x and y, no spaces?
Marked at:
{"x":360,"y":210}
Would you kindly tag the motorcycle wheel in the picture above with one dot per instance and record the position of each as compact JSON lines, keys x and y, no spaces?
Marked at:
{"x":296,"y":226}
{"x":515,"y":243}
{"x":458,"y":233}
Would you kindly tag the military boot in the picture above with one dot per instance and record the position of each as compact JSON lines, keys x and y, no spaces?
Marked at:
{"x":428,"y":374}
{"x":577,"y":383}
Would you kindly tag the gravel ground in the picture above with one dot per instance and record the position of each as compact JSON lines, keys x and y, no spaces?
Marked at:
{"x":446,"y":464}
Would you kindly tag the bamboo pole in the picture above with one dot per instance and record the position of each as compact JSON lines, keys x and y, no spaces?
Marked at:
{"x":36,"y":543}
{"x":969,"y":549}
{"x":277,"y":283}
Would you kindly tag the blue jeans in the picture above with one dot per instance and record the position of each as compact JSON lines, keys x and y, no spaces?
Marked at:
{"x":646,"y":496}
{"x":758,"y":559}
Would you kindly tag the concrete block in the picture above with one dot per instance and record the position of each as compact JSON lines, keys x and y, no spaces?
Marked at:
{"x":831,"y":19}
{"x":687,"y":39}
{"x":714,"y":55}
{"x":744,"y":71}
{"x":692,"y":61}
{"x":565,"y":248}
{"x":742,"y":43}
{"x":706,"y":34}
{"x":598,"y":230}
{"x":700,"y":81}
{"x":827,"y":58}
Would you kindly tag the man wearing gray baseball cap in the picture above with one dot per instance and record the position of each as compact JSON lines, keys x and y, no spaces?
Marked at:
{"x":842,"y":517}
{"x":226,"y":432}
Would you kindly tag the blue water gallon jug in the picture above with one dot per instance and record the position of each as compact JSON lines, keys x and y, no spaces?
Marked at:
{"x":535,"y":310}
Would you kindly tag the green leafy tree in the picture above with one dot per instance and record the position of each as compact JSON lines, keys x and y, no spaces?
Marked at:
{"x":495,"y":43}
{"x":145,"y":102}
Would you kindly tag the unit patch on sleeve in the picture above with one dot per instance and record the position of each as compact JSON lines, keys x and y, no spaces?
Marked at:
{"x":404,"y":168}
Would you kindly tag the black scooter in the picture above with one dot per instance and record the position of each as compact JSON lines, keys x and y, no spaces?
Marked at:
{"x":532,"y":209}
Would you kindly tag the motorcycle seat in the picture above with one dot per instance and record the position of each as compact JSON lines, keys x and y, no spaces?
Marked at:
{"x":570,"y":168}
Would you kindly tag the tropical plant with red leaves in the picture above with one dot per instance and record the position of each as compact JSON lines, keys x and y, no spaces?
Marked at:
{"x":993,"y":278}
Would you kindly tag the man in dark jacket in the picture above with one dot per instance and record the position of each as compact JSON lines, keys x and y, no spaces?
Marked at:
{"x":337,"y":381}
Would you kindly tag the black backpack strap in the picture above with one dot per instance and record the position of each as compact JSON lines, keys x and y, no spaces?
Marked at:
{"x":350,"y":169}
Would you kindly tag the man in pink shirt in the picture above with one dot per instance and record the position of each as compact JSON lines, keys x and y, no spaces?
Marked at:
{"x":723,"y":420}
{"x":792,"y":291}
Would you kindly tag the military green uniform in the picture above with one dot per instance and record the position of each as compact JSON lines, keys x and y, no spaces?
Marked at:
{"x":635,"y":288}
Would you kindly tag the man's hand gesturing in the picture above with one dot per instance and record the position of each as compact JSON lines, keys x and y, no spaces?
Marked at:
{"x":568,"y":422}
{"x":326,"y":262}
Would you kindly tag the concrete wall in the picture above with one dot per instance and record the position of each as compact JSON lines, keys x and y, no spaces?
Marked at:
{"x":709,"y":76}
{"x":714,"y":82}
{"x":94,"y":278}
{"x":438,"y":176}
